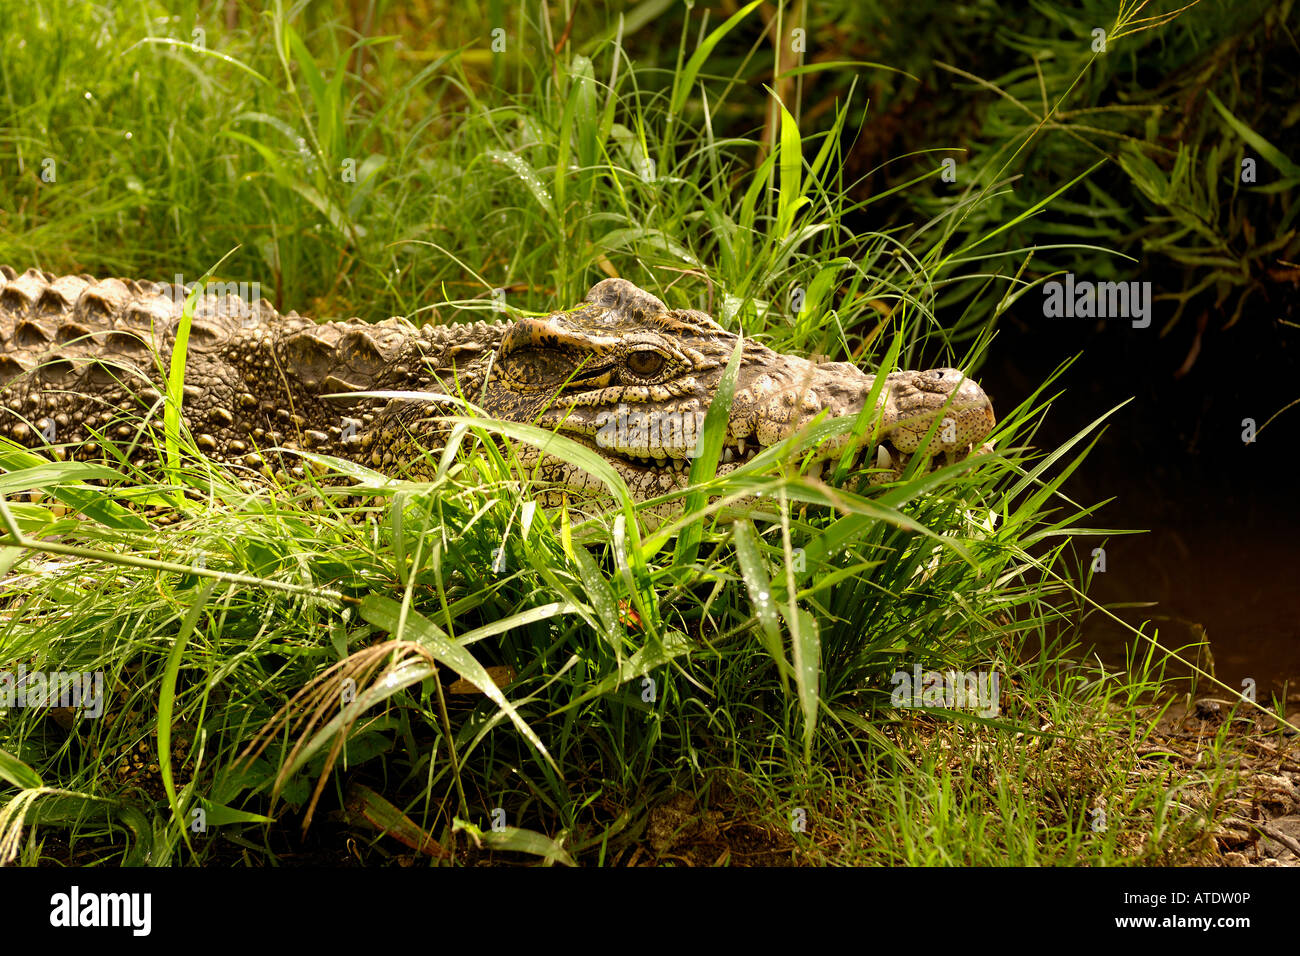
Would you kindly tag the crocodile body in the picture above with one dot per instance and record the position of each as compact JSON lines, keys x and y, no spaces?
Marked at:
{"x":621,"y":373}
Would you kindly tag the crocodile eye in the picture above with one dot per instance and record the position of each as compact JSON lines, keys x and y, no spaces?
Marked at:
{"x":645,"y":362}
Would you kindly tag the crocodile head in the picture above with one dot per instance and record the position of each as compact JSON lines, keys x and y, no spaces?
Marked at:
{"x":632,"y":379}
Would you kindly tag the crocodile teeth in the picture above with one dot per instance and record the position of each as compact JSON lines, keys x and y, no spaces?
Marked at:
{"x":882,"y":457}
{"x":728,"y":453}
{"x":740,"y":445}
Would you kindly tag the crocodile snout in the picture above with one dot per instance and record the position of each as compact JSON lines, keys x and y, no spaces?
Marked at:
{"x":918,"y":398}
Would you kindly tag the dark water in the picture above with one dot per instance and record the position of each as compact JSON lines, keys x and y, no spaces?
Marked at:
{"x":1220,"y":579}
{"x":1222,"y":556}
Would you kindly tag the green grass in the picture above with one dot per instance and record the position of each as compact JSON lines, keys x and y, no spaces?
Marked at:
{"x":741,"y":654}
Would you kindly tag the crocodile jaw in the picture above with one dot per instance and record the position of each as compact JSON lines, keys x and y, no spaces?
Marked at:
{"x":653,"y":448}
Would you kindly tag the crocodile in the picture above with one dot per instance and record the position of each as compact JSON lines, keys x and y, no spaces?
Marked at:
{"x":82,"y":360}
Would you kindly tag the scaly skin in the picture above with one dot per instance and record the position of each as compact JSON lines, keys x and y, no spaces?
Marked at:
{"x":78,"y":361}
